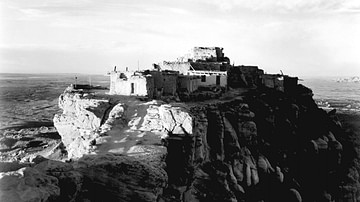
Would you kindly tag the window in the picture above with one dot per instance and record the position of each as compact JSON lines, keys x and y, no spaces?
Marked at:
{"x":132,"y":88}
{"x":218,"y":80}
{"x":203,"y":78}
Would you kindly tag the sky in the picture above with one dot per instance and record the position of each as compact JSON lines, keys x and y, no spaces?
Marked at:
{"x":299,"y":37}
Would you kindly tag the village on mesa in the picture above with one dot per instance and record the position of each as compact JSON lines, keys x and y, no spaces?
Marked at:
{"x":203,"y":68}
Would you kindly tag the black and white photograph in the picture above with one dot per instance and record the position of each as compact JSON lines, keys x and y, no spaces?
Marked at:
{"x":180,"y":101}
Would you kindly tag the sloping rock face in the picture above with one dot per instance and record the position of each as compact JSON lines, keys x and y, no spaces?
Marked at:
{"x":28,"y":184}
{"x":264,"y":146}
{"x":109,"y":177}
{"x":116,"y":147}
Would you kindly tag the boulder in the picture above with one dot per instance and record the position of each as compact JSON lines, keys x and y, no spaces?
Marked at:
{"x":28,"y":184}
{"x":80,"y":121}
{"x":175,"y":119}
{"x":70,"y":180}
{"x":119,"y":178}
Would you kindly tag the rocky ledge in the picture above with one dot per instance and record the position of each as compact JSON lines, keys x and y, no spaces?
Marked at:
{"x":260,"y":145}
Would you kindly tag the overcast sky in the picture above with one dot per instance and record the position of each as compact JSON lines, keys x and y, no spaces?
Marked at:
{"x":299,"y":37}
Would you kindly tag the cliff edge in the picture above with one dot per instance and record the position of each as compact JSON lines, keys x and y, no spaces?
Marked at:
{"x":250,"y":145}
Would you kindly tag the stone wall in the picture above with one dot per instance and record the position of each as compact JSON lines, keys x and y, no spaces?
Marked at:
{"x":188,"y":83}
{"x":214,"y":66}
{"x":165,"y":82}
{"x":273,"y":81}
{"x":169,"y":84}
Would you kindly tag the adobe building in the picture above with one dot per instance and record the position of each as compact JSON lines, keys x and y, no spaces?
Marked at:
{"x":280,"y":82}
{"x":207,"y":63}
{"x":165,"y":82}
{"x":202,"y":67}
{"x":131,"y":84}
{"x":149,"y":83}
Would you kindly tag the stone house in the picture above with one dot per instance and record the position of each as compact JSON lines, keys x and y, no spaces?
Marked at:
{"x":151,"y":84}
{"x":275,"y":81}
{"x":131,"y":84}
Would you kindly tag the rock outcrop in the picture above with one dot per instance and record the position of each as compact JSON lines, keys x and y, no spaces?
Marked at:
{"x":81,"y":118}
{"x":28,"y":184}
{"x":262,"y":145}
{"x":109,"y":177}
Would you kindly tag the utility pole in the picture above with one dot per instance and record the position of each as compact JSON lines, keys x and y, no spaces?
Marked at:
{"x":75,"y":81}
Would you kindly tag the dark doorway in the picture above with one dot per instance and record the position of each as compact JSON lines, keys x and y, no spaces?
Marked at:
{"x":203,"y":78}
{"x":132,"y":88}
{"x":218,"y":80}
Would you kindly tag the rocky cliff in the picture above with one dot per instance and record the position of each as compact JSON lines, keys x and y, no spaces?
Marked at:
{"x":261,"y":145}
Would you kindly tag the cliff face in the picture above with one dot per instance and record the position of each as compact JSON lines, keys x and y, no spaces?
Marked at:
{"x":263,"y":145}
{"x":79,"y":121}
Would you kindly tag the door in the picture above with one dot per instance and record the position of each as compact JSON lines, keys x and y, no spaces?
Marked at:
{"x":218,"y":80}
{"x":132,"y":88}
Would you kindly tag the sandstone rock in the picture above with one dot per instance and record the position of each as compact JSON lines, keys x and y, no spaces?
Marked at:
{"x":247,"y":174}
{"x":152,"y":120}
{"x":87,"y":113}
{"x":244,"y":112}
{"x":231,"y":144}
{"x":247,"y":132}
{"x":293,"y":196}
{"x":215,"y":134}
{"x":12,"y":166}
{"x":279,"y":174}
{"x":234,"y":186}
{"x":312,"y":147}
{"x":262,"y":164}
{"x":211,"y":183}
{"x":175,"y":119}
{"x":70,"y":181}
{"x":201,"y":150}
{"x":238,"y":168}
{"x":120,"y":178}
{"x":153,"y":155}
{"x":335,"y":145}
{"x":79,"y":122}
{"x":331,"y":136}
{"x":28,"y":184}
{"x":115,"y":117}
{"x":322,"y":144}
{"x":38,"y":159}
